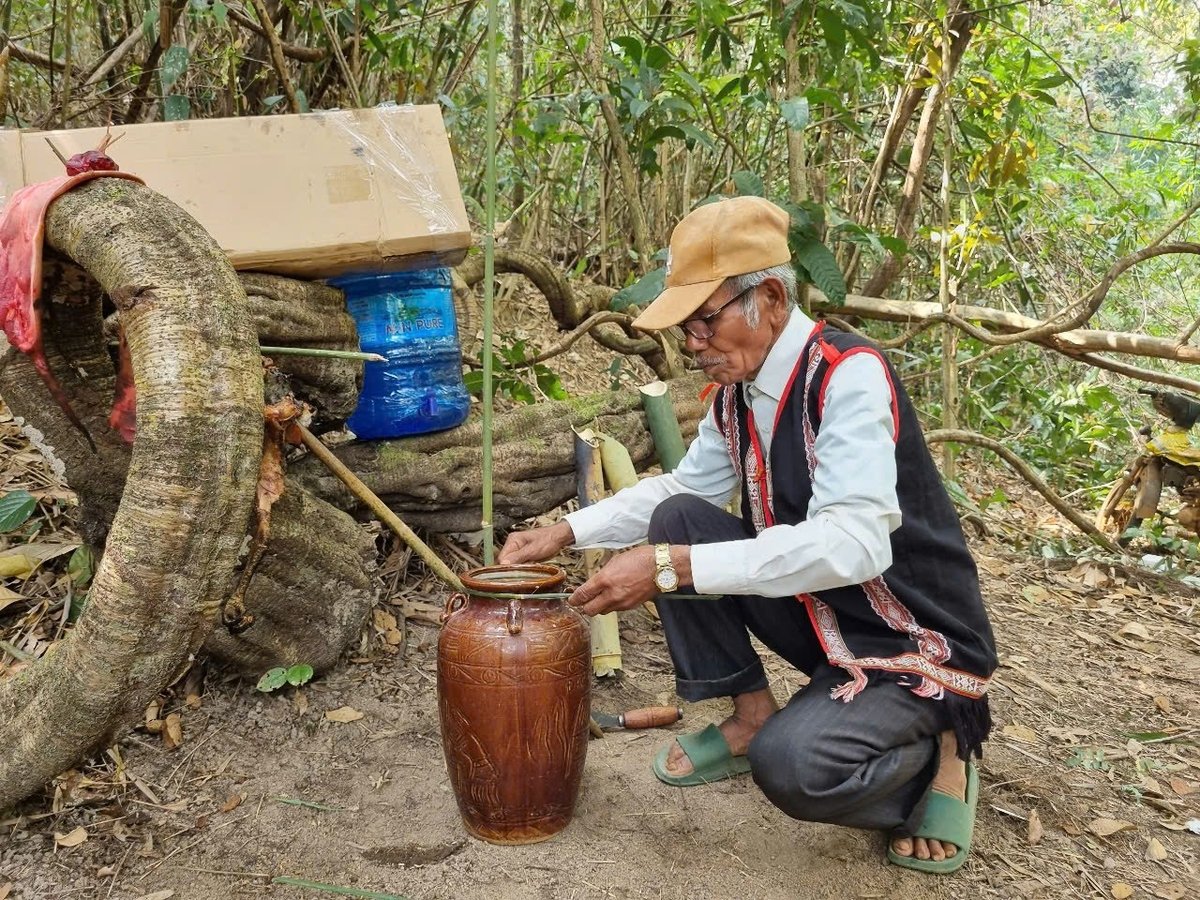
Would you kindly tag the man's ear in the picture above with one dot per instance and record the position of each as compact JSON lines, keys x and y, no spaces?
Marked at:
{"x":776,"y":297}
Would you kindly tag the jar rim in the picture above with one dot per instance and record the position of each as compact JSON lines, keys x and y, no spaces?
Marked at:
{"x":522,"y":578}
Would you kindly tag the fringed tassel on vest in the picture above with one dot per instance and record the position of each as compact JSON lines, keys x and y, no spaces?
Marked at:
{"x":971,"y":720}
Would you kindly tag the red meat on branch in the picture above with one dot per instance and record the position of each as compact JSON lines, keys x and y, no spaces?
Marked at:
{"x":22,"y":226}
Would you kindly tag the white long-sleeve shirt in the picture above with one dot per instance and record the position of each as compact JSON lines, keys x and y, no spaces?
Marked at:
{"x":854,"y":508}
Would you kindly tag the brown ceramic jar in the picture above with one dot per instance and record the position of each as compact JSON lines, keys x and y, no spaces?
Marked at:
{"x":513,"y":696}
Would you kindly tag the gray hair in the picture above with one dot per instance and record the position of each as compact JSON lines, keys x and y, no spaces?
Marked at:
{"x":783,"y":272}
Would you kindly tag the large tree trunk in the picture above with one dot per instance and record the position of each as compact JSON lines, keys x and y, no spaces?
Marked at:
{"x":174,"y":542}
{"x":314,"y":586}
{"x":433,"y":481}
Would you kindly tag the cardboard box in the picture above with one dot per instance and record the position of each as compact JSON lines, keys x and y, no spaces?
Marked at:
{"x":310,"y":195}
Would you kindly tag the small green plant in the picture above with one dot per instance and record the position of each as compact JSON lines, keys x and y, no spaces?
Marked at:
{"x":15,"y":509}
{"x":274,"y":679}
{"x":1089,"y":758}
{"x":515,"y":377}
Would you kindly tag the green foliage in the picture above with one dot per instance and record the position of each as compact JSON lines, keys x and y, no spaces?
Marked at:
{"x":15,"y":509}
{"x":81,"y":566}
{"x":275,"y":678}
{"x":513,"y":376}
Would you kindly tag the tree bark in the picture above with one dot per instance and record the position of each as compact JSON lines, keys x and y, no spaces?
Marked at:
{"x":291,"y":313}
{"x":433,"y":481}
{"x":174,"y":542}
{"x":1072,"y":343}
{"x":314,"y":586}
{"x":962,"y":21}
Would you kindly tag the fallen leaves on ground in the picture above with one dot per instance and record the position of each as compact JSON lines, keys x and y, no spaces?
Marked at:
{"x":1104,"y":827}
{"x":343,"y":714}
{"x":71,"y":838}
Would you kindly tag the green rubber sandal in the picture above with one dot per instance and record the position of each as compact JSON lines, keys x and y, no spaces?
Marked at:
{"x":946,"y":819}
{"x":710,"y":756}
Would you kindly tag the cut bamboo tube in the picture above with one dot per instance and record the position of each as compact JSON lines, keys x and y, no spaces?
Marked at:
{"x":606,"y":635}
{"x":664,"y":425}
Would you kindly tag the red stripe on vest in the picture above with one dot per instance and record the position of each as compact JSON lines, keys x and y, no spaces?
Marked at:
{"x":841,"y":358}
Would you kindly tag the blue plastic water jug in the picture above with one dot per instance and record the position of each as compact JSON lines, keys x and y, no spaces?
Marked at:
{"x":409,"y":318}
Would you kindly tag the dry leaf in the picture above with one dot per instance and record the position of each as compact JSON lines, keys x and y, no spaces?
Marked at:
{"x":1035,"y":831}
{"x":1121,"y":890}
{"x":343,"y":714}
{"x":1170,"y":890}
{"x":1164,"y":705}
{"x":1072,"y":829}
{"x":1181,"y":787}
{"x":1035,"y":593}
{"x":158,"y":895}
{"x":1104,"y":827}
{"x":5,"y":890}
{"x":72,"y":839}
{"x":1155,"y":851}
{"x":8,"y":597}
{"x":301,"y":702}
{"x":384,"y":620}
{"x":232,"y":803}
{"x":173,"y":731}
{"x":1022,"y":733}
{"x":1136,"y":629}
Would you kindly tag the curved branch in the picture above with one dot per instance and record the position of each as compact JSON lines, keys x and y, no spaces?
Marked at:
{"x":175,"y":539}
{"x":957,"y":436}
{"x":567,"y":342}
{"x":1149,"y":375}
{"x":292,"y":51}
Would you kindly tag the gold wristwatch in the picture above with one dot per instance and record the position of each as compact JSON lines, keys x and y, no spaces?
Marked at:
{"x":665,"y":578}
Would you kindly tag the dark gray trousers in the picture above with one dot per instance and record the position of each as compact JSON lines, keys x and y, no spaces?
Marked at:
{"x":864,"y":764}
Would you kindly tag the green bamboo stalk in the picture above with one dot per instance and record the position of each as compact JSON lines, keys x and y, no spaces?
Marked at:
{"x":489,"y":273}
{"x":330,"y":354}
{"x":663,"y":423}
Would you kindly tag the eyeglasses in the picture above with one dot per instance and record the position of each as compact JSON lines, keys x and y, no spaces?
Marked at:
{"x":699,"y":327}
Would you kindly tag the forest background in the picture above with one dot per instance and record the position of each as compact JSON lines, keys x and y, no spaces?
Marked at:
{"x":998,"y":155}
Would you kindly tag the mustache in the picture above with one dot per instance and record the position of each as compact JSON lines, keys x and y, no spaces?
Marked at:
{"x":706,"y":361}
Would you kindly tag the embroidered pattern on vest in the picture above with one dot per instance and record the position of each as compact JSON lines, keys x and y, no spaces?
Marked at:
{"x":758,"y":513}
{"x":933,"y":646}
{"x":940,"y":677}
{"x":728,"y":420}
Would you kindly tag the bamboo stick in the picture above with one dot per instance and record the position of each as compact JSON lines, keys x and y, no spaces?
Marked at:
{"x":606,"y":635}
{"x":328,"y":354}
{"x":378,"y":507}
{"x":489,"y":272}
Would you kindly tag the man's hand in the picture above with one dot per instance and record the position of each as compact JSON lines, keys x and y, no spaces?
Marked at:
{"x":536,"y":544}
{"x":626,"y":581}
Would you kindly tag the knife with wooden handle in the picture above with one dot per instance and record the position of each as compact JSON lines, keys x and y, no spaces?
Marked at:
{"x":646,"y":717}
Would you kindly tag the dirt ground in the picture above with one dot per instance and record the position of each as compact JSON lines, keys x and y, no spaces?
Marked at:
{"x":1088,"y":785}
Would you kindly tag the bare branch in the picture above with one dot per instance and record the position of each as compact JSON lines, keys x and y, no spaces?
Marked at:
{"x":1080,"y":521}
{"x":277,"y":59}
{"x":292,"y":51}
{"x":34,"y":58}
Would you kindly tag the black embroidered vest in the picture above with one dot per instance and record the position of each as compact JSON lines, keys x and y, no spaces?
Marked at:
{"x":922,"y":622}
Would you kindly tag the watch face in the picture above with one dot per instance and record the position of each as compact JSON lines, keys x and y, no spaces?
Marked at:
{"x":666,"y":579}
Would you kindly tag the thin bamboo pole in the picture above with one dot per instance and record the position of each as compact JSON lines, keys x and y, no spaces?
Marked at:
{"x":489,"y":273}
{"x":378,"y":507}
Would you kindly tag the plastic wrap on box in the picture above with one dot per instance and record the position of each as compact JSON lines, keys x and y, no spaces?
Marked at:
{"x":309,"y":196}
{"x":386,"y":143}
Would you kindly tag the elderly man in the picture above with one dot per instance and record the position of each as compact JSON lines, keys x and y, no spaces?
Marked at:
{"x":847,"y":561}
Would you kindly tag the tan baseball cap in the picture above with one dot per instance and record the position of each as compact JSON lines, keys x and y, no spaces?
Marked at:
{"x":729,"y":237}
